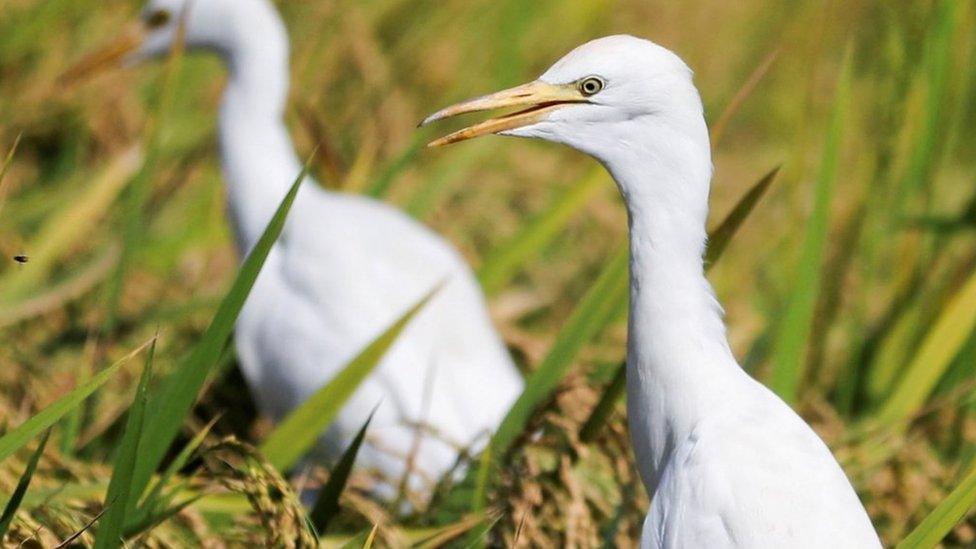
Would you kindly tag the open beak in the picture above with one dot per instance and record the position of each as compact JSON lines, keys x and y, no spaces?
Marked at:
{"x":110,"y":55}
{"x":540,"y":97}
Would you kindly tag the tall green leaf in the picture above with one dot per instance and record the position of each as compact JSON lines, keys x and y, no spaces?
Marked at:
{"x":382,"y":185}
{"x":137,"y":194}
{"x":175,"y":398}
{"x":503,"y":263}
{"x":15,"y":439}
{"x":720,"y":237}
{"x":121,"y":497}
{"x":598,"y":307}
{"x":18,"y":496}
{"x":296,"y":435}
{"x":604,"y":407}
{"x":944,"y":517}
{"x":327,"y":505}
{"x":154,"y":498}
{"x":791,"y":340}
{"x":942,"y":343}
{"x":6,"y":165}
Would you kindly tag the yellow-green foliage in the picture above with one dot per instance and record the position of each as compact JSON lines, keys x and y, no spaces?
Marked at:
{"x":850,"y":285}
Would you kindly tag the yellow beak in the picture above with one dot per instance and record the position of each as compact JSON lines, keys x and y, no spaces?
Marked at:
{"x":108,"y":56}
{"x":541,"y":97}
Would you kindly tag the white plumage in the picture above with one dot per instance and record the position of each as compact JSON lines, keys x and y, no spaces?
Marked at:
{"x":728,"y":464}
{"x":345,"y":268}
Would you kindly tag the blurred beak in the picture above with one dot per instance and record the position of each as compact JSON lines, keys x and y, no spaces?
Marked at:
{"x":540,"y":97}
{"x":110,"y":55}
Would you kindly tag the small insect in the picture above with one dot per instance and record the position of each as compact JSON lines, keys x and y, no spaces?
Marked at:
{"x":21,"y":259}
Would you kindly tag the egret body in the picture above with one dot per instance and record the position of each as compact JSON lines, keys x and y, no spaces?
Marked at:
{"x":345,"y":268}
{"x":727,"y":463}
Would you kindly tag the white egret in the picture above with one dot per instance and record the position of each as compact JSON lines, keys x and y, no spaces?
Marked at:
{"x":728,"y":464}
{"x":345,"y":268}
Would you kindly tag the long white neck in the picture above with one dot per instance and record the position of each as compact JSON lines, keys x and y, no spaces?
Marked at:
{"x":679,"y":365}
{"x":257,"y":154}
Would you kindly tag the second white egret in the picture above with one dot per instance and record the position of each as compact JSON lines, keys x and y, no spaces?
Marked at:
{"x":345,"y":268}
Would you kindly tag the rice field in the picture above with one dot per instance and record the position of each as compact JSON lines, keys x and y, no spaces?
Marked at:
{"x":848,"y":276}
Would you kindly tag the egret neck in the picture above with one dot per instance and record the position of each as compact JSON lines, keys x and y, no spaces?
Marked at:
{"x":257,"y":154}
{"x":679,"y":365}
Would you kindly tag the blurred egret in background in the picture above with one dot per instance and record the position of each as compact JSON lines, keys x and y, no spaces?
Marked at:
{"x":727,"y":463}
{"x":345,"y":268}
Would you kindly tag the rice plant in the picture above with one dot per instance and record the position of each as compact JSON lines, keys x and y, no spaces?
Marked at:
{"x":848,"y":279}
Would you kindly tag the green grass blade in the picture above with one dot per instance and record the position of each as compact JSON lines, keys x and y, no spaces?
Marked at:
{"x":6,"y":165}
{"x":139,"y":188}
{"x":15,"y":439}
{"x":934,"y":356}
{"x":477,"y":538}
{"x":789,"y":348}
{"x":503,"y":263}
{"x":155,"y":519}
{"x":481,"y":480}
{"x":59,"y":233}
{"x":935,"y":73}
{"x":368,"y":544}
{"x":444,"y":535}
{"x":740,"y":97}
{"x":720,"y":237}
{"x":327,"y":505}
{"x":175,"y":398}
{"x":597,"y":308}
{"x":18,"y":496}
{"x":296,"y":435}
{"x":382,"y":185}
{"x":120,"y":499}
{"x":153,"y":498}
{"x":71,"y":424}
{"x":443,"y":177}
{"x":604,"y":407}
{"x":944,"y":517}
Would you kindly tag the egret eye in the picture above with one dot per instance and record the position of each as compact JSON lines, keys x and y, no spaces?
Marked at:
{"x":590,"y":85}
{"x":158,"y":19}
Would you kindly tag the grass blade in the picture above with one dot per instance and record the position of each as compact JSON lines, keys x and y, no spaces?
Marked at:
{"x":720,"y":237}
{"x":15,"y":439}
{"x":601,"y":412}
{"x":599,"y":306}
{"x":739,"y":99}
{"x":477,"y":537}
{"x":445,"y":534}
{"x":121,"y":496}
{"x":327,"y":505}
{"x":175,"y":398}
{"x":942,"y":343}
{"x":504,"y":262}
{"x":18,"y":496}
{"x":137,"y":194}
{"x":153,"y":498}
{"x":789,"y":348}
{"x":59,"y":234}
{"x":6,"y":165}
{"x":944,"y":517}
{"x":372,"y":536}
{"x":481,"y":480}
{"x":153,"y":520}
{"x":382,"y":185}
{"x":294,"y":436}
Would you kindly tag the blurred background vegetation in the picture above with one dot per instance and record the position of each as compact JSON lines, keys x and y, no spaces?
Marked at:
{"x":851,"y":289}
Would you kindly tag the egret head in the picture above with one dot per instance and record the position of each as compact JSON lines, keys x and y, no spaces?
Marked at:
{"x":602,"y":98}
{"x":224,"y":26}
